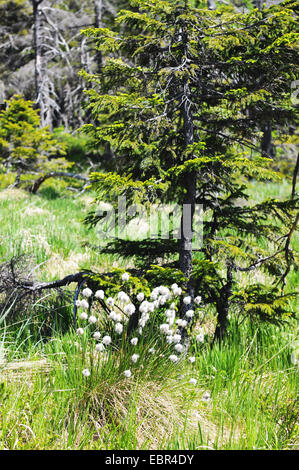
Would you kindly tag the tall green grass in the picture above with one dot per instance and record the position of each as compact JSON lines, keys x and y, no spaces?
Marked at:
{"x":246,"y":391}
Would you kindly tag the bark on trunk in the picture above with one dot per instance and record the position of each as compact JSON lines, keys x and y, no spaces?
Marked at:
{"x":223,"y":305}
{"x":185,"y":241}
{"x":267,"y":147}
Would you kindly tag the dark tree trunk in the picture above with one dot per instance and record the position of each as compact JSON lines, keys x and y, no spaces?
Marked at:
{"x":267,"y":147}
{"x":189,"y":201}
{"x":222,"y":306}
{"x":188,"y":209}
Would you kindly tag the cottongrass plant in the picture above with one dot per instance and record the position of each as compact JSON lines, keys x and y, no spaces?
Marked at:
{"x":160,"y":330}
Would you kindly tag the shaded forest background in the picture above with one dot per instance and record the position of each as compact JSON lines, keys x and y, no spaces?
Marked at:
{"x":42,"y":52}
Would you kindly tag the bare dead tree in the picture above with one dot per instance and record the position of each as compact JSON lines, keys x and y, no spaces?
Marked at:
{"x":41,"y":91}
{"x":98,"y":13}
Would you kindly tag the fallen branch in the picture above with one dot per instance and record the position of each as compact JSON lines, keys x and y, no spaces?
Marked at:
{"x":54,"y":174}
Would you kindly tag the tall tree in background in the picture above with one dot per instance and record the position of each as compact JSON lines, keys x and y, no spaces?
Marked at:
{"x":181,"y":100}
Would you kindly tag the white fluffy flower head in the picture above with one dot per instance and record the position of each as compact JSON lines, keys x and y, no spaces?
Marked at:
{"x":190,"y":313}
{"x":200,"y":338}
{"x":125,"y":277}
{"x":179,"y":347}
{"x":100,"y":347}
{"x":140,"y":296}
{"x":99,"y":294}
{"x":83,"y":316}
{"x":84,"y":304}
{"x":87,"y":292}
{"x":173,"y":358}
{"x":177,"y":338}
{"x":110,"y":301}
{"x":123,"y":297}
{"x":187,"y":300}
{"x":129,"y":309}
{"x":118,"y":328}
{"x":106,"y":340}
{"x":135,"y":358}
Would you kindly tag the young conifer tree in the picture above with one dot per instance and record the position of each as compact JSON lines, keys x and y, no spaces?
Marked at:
{"x":181,"y":99}
{"x":25,"y":147}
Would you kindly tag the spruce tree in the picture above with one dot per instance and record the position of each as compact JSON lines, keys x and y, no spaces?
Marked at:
{"x":181,"y":99}
{"x":25,"y":148}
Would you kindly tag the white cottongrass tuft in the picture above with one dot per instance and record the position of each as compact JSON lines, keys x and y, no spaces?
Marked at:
{"x":106,"y":340}
{"x":127,"y":373}
{"x":135,"y":358}
{"x":164,"y":328}
{"x":140,"y":296}
{"x":87,"y":292}
{"x":200,"y":338}
{"x":84,"y":304}
{"x":100,"y":347}
{"x":110,"y":301}
{"x":169,"y":338}
{"x":97,"y":335}
{"x":197,"y":300}
{"x":80,"y":331}
{"x":83,"y":316}
{"x":173,"y":358}
{"x":193,"y":381}
{"x":177,"y":291}
{"x":144,"y":306}
{"x":134,"y":341}
{"x":86,"y":372}
{"x":99,"y":294}
{"x":181,"y":323}
{"x":187,"y":300}
{"x":190,"y":313}
{"x":92,"y":319}
{"x":118,"y":317}
{"x":118,"y":328}
{"x":123,"y":297}
{"x":129,"y":309}
{"x":179,"y":347}
{"x":112,"y":315}
{"x":192,"y":359}
{"x":177,"y":338}
{"x":125,"y":277}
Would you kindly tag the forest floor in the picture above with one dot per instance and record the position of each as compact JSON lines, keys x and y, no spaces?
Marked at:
{"x":246,"y":392}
